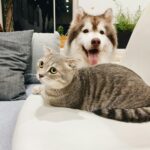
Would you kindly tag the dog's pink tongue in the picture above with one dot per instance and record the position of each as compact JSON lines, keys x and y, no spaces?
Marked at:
{"x":93,"y":59}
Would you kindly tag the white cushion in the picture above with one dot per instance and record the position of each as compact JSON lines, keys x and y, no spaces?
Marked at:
{"x":39,"y":40}
{"x":138,"y":50}
{"x":43,"y":39}
{"x":51,"y":128}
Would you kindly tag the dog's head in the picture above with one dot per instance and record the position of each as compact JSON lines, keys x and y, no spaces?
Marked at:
{"x":93,"y":33}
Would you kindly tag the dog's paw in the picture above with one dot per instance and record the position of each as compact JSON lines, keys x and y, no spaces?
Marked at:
{"x":36,"y":90}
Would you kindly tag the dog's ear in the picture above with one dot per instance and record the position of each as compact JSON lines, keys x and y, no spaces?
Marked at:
{"x":108,"y":14}
{"x":80,"y":13}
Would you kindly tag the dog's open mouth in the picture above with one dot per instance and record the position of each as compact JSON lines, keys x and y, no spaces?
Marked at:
{"x":92,"y":55}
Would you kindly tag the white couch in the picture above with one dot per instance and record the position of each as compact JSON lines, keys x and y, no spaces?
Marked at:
{"x":44,"y":128}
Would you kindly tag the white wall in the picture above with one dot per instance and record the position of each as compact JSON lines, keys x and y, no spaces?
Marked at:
{"x":99,"y":6}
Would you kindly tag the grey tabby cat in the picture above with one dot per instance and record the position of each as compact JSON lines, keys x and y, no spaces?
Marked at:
{"x":108,"y":90}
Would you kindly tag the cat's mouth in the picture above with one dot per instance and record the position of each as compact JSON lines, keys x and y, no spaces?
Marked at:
{"x":92,"y":55}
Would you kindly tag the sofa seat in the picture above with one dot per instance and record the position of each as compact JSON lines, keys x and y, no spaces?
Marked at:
{"x":8,"y":117}
{"x":41,"y":127}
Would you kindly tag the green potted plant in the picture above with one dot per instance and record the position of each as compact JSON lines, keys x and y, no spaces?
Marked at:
{"x":125,"y":23}
{"x":63,"y":37}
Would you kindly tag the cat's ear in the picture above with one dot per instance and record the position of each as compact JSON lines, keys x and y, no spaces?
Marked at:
{"x":72,"y":63}
{"x":47,"y":51}
{"x":108,"y":14}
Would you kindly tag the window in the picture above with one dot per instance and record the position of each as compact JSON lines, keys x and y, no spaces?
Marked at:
{"x":41,"y":15}
{"x":33,"y":14}
{"x":63,"y":14}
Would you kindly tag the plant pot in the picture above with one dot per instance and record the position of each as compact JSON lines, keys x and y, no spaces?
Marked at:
{"x":63,"y":39}
{"x":123,"y":38}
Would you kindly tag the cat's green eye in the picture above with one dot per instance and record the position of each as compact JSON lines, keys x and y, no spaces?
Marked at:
{"x":41,"y":64}
{"x":53,"y":70}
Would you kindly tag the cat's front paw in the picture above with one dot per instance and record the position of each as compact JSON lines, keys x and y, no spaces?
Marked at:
{"x":36,"y":90}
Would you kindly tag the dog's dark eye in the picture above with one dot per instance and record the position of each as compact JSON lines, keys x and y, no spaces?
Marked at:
{"x":85,"y":31}
{"x":53,"y":70}
{"x":41,"y":64}
{"x":102,"y":32}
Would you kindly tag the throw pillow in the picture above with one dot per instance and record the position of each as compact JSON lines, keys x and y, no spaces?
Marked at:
{"x":15,"y":50}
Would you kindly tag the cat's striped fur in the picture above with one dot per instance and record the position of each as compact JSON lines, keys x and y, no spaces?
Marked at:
{"x":141,"y":114}
{"x":108,"y":90}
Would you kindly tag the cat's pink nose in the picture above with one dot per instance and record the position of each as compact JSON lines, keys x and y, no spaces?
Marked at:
{"x":41,"y":76}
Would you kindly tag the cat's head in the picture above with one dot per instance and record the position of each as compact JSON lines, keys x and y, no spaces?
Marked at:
{"x":54,"y":70}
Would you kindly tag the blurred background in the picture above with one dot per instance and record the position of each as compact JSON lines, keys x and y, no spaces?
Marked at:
{"x":51,"y":15}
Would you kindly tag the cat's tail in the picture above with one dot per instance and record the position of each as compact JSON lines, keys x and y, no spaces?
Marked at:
{"x":136,"y":115}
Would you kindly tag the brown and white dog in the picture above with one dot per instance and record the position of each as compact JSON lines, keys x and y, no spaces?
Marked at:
{"x":92,"y":39}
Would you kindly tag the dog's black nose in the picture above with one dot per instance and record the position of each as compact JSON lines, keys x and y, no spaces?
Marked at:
{"x":41,"y":76}
{"x":95,"y":42}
